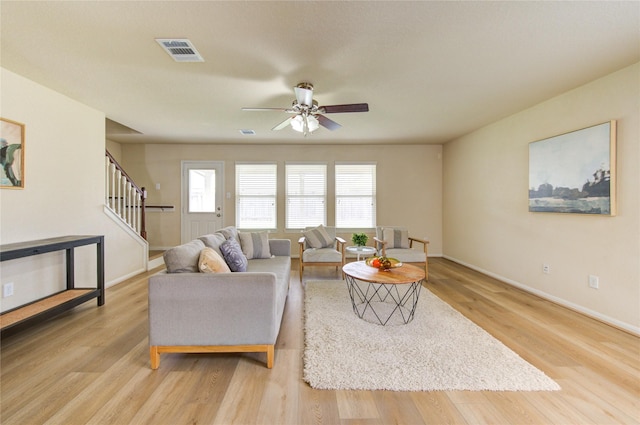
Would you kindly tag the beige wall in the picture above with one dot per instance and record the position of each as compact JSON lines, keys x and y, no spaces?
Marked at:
{"x":115,"y":149}
{"x":63,"y":194}
{"x":409,"y":182}
{"x":486,"y":220}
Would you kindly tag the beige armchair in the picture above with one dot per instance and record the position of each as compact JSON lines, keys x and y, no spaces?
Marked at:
{"x":395,"y":242}
{"x":319,"y":246}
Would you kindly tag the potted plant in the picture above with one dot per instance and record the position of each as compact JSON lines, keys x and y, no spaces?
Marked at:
{"x":359,"y":239}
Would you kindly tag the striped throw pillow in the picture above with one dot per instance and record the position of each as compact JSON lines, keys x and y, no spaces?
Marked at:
{"x":255,"y":245}
{"x":395,"y":238}
{"x":318,"y":237}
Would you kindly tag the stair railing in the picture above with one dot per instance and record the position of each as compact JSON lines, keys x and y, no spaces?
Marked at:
{"x":124,"y":197}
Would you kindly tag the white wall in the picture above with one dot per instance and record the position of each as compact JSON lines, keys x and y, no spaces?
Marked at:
{"x":486,"y":220}
{"x":63,"y":193}
{"x":409,"y":183}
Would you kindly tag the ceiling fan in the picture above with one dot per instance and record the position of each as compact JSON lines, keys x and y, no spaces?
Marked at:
{"x":308,"y":116}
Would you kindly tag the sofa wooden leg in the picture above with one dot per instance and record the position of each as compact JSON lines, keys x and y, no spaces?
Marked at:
{"x":155,"y":356}
{"x":270,"y":355}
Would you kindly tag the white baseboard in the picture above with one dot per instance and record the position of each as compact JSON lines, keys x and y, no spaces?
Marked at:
{"x":575,"y":307}
{"x":123,"y":278}
{"x":156,"y":262}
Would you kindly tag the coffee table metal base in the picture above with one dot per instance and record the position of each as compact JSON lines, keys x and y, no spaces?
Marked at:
{"x":382,"y":303}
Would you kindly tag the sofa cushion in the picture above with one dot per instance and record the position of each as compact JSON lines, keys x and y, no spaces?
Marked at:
{"x":322,"y":255}
{"x":211,"y":262}
{"x":407,"y":255}
{"x":318,"y":237}
{"x":214,"y":240}
{"x":395,"y":238}
{"x":232,"y":253}
{"x":255,"y":244}
{"x":229,"y":232}
{"x":183,"y":258}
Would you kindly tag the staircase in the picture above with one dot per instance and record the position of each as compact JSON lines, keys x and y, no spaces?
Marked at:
{"x":123,"y":197}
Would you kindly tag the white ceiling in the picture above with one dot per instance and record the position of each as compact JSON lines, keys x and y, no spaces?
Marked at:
{"x":430,"y":71}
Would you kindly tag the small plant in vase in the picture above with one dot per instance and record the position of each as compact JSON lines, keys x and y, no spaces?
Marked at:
{"x":359,"y":239}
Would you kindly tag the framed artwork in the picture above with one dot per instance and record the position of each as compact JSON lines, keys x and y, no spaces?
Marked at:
{"x":574,"y":172}
{"x":11,"y":154}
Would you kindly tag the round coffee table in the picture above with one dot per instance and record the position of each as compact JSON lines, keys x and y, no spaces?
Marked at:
{"x":384,"y":297}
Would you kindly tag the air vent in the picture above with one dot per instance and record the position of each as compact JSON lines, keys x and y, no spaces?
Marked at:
{"x":180,"y":49}
{"x":248,"y":132}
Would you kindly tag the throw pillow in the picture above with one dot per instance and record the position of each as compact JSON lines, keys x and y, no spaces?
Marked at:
{"x":213,"y":240}
{"x":232,"y":253}
{"x":229,"y":232}
{"x":183,"y":258}
{"x":318,"y":237}
{"x":211,"y":262}
{"x":255,"y":245}
{"x":395,"y":238}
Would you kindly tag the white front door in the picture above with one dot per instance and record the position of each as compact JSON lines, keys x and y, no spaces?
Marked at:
{"x":202,"y":190}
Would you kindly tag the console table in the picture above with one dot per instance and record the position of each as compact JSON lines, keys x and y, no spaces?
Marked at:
{"x":42,"y":309}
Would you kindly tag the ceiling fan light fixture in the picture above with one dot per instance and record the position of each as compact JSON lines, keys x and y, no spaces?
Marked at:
{"x":304,"y":94}
{"x":297,"y":123}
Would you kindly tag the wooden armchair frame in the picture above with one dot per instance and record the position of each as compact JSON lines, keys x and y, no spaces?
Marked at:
{"x":381,"y":245}
{"x":339,"y":247}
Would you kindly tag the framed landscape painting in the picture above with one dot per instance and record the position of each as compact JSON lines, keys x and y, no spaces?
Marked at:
{"x":11,"y":154}
{"x":574,"y":172}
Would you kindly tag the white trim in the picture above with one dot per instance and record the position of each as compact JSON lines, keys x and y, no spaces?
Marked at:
{"x":156,"y":262}
{"x":123,"y":278}
{"x":136,"y":237}
{"x":575,"y":307}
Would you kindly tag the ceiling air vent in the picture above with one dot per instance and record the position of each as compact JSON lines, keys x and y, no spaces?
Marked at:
{"x":180,"y":49}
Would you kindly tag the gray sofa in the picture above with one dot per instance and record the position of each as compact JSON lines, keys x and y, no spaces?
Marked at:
{"x":194,"y":312}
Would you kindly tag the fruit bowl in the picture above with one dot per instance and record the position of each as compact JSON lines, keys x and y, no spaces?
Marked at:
{"x":383,"y":263}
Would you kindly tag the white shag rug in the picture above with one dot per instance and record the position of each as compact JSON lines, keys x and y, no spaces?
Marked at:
{"x":439,"y":350}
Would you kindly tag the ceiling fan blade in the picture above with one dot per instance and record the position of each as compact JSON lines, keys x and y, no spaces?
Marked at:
{"x":283,"y":124}
{"x":327,"y":123}
{"x":304,"y":94}
{"x":287,"y":110}
{"x":352,"y":107}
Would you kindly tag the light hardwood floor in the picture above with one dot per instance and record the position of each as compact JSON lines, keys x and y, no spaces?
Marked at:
{"x":91,"y":365}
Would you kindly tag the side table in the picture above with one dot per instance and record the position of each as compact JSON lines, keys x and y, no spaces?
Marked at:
{"x":361,"y":250}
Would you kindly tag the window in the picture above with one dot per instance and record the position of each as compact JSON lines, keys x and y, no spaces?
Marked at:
{"x":355,"y":195}
{"x":202,"y":191}
{"x":306,"y":195}
{"x":256,"y":196}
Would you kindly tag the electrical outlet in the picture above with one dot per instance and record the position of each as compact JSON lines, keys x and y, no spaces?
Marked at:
{"x":594,"y":281}
{"x":546,"y":269}
{"x":7,"y":290}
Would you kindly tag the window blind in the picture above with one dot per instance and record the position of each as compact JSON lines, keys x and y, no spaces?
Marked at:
{"x":355,"y":195}
{"x":256,"y":192}
{"x":306,"y":187}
